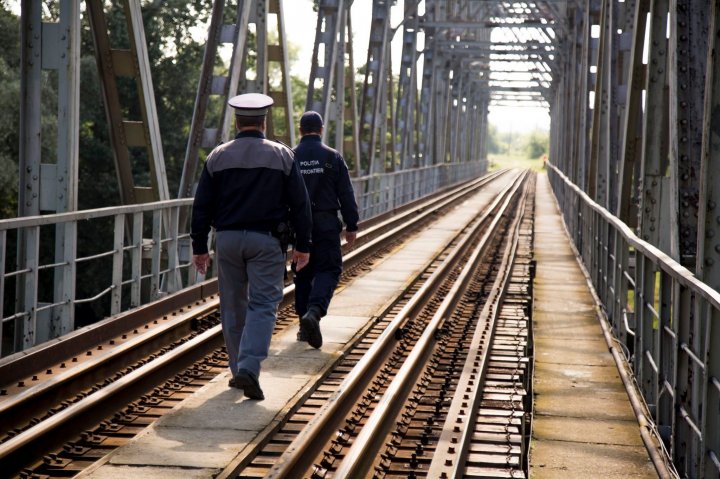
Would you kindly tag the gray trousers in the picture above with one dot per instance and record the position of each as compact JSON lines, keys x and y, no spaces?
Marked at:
{"x":251,"y":267}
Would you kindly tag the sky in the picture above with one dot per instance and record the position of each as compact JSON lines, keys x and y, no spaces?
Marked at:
{"x":300,"y":22}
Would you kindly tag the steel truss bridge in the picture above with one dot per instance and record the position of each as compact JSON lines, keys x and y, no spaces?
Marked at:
{"x":634,"y":161}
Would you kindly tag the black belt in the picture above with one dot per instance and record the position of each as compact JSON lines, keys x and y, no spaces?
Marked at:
{"x":332,"y":213}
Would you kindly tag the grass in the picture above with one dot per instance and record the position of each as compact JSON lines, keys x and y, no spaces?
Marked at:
{"x":511,"y":161}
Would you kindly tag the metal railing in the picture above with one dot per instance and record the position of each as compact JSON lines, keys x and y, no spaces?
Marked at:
{"x":667,"y":321}
{"x":134,"y":253}
{"x":377,"y":194}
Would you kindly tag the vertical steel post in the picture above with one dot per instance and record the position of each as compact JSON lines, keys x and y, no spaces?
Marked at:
{"x":278,"y":55}
{"x":322,"y":81}
{"x":373,"y":109}
{"x":654,"y":155}
{"x":598,"y":172}
{"x":407,"y":87}
{"x":688,"y":47}
{"x":707,"y":267}
{"x":136,"y":260}
{"x":50,"y":186}
{"x":631,"y":140}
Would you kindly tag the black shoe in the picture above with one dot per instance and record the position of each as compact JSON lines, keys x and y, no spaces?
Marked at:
{"x":248,"y":382}
{"x":302,"y":335}
{"x":310,"y":323}
{"x":231,"y":382}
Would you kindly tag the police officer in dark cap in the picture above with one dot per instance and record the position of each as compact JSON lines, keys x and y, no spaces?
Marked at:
{"x":328,"y":183}
{"x":249,"y":188}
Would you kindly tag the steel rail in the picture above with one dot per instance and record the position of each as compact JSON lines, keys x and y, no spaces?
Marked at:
{"x":299,"y":455}
{"x":37,"y":399}
{"x":40,"y":396}
{"x":456,"y":436}
{"x":105,"y":402}
{"x":362,"y":454}
{"x":415,"y":216}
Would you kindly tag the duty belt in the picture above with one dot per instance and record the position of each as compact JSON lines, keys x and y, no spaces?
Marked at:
{"x":326,"y":213}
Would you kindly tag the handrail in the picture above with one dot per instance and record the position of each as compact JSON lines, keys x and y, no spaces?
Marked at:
{"x":669,"y":265}
{"x":670,"y":345}
{"x":55,"y":218}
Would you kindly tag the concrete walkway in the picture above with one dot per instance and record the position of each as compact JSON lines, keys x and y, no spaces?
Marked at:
{"x":583,"y":424}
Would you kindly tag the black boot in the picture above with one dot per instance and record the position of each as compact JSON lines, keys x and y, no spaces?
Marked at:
{"x":310,"y":324}
{"x":249,"y":383}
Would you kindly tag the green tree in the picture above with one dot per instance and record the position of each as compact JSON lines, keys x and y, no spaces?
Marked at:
{"x":9,"y":120}
{"x":537,"y":144}
{"x":493,"y":142}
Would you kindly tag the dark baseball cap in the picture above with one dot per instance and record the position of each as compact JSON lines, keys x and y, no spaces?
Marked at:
{"x":311,"y":121}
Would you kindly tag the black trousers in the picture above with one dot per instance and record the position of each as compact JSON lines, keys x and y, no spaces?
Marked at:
{"x":316,"y":282}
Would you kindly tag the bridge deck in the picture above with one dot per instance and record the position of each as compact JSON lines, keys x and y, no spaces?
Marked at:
{"x":217,"y":427}
{"x":583,"y":424}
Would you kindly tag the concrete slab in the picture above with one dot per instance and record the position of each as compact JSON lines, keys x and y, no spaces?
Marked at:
{"x":184,"y":447}
{"x":569,"y":352}
{"x":613,"y":432}
{"x":567,"y":329}
{"x":123,"y":472}
{"x":562,"y":302}
{"x":281,"y":367}
{"x":579,"y":460}
{"x":574,"y":402}
{"x":579,"y":373}
{"x":218,"y":406}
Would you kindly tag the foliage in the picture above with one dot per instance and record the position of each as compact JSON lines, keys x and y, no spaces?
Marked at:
{"x":9,"y":120}
{"x":517,"y":144}
{"x":509,"y":149}
{"x":492,"y":139}
{"x":537,"y":144}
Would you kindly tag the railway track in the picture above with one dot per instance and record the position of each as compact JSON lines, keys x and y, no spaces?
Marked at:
{"x":123,"y":373}
{"x":376,"y":416}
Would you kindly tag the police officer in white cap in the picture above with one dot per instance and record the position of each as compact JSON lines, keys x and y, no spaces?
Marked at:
{"x":249,"y":188}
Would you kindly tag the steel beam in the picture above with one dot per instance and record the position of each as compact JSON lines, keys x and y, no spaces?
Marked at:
{"x":631,"y":132}
{"x":708,"y":237}
{"x":653,"y":208}
{"x":128,"y":133}
{"x":46,"y":186}
{"x":688,"y":44}
{"x":373,"y":109}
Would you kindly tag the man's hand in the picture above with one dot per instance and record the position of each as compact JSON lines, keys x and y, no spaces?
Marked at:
{"x":300,"y":259}
{"x":201,"y":262}
{"x":350,"y":237}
